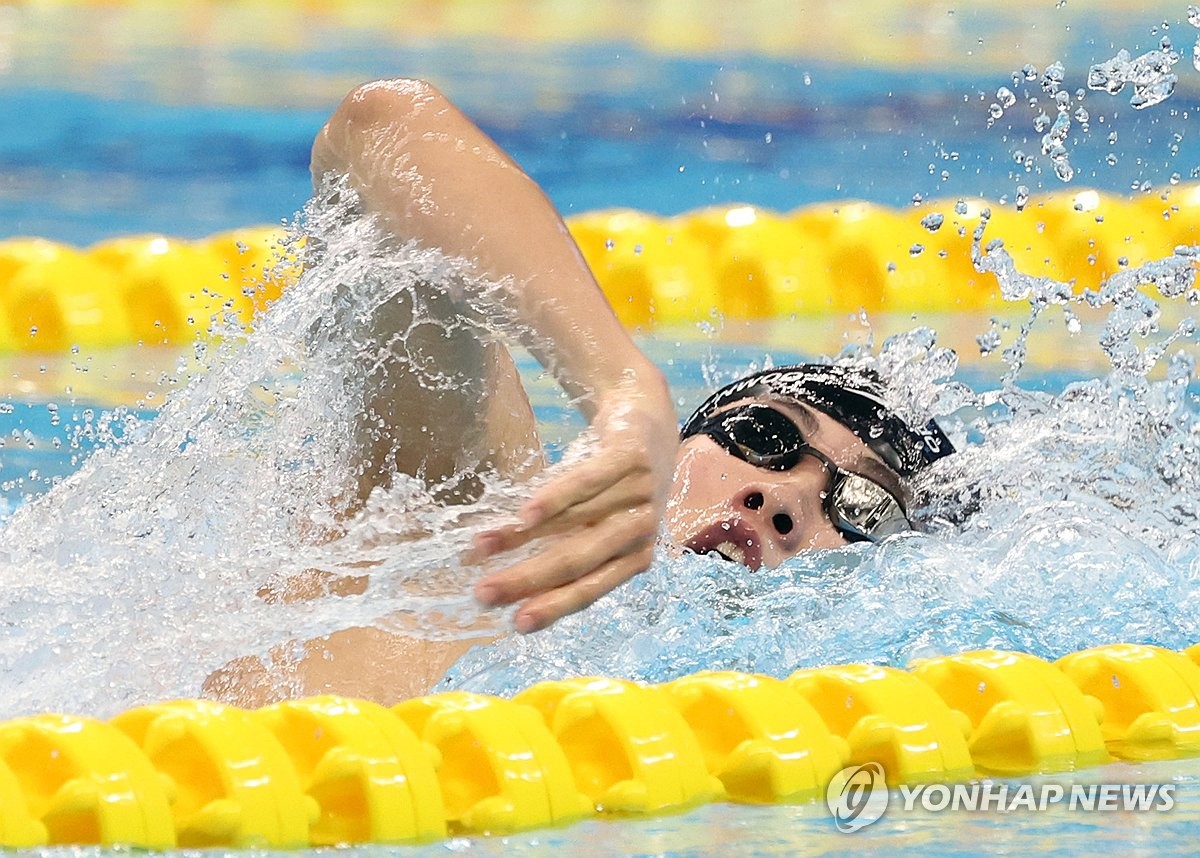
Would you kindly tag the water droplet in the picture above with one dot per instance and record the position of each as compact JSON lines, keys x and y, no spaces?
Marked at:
{"x":933,"y":221}
{"x":767,"y":137}
{"x":609,"y":244}
{"x":1081,"y":115}
{"x":1022,"y":197}
{"x":1052,"y":78}
{"x":1005,"y":96}
{"x":995,"y":111}
{"x":1175,"y":179}
{"x":1029,"y":70}
{"x":1110,"y":75}
{"x":1041,"y":122}
{"x":988,"y":342}
{"x":960,"y":207}
{"x":1061,"y":127}
{"x":917,"y":199}
{"x":1193,"y":15}
{"x":916,"y":250}
{"x":1151,"y":76}
{"x":891,"y":267}
{"x":807,"y":79}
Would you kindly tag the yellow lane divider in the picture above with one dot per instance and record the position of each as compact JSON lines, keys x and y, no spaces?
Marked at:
{"x":736,"y":262}
{"x":328,"y":770}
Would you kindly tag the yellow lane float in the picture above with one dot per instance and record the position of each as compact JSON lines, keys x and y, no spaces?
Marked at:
{"x":370,"y":776}
{"x":326,"y":771}
{"x":499,"y":768}
{"x":84,"y":782}
{"x":760,"y":737}
{"x":733,"y":262}
{"x":19,"y":828}
{"x":231,"y":783}
{"x":1025,"y":716}
{"x":890,"y":717}
{"x":629,"y":750}
{"x":1149,"y":697}
{"x":173,"y":290}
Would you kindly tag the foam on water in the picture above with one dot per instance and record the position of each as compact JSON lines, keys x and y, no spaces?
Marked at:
{"x":1064,"y":521}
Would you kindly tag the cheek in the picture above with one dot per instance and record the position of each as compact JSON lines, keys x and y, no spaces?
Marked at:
{"x":700,"y":491}
{"x":825,"y":535}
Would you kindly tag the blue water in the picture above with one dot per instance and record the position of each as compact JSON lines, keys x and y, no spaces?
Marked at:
{"x":180,"y":139}
{"x":808,"y":830}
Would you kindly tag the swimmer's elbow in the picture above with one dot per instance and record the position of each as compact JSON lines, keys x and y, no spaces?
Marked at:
{"x":391,"y":100}
{"x":400,"y":105}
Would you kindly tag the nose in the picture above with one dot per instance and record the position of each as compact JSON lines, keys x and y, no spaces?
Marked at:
{"x":781,"y":521}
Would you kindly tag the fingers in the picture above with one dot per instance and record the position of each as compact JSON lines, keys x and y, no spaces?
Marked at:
{"x":632,"y":490}
{"x":571,"y":558}
{"x":576,"y":485}
{"x":547,"y":608}
{"x":601,"y":516}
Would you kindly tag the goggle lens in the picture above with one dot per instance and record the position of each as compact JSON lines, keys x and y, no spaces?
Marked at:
{"x":860,"y":508}
{"x":762,"y":436}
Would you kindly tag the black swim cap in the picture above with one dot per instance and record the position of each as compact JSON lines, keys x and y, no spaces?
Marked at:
{"x":853,"y":396}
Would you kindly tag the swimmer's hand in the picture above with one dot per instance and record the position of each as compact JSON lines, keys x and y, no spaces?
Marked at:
{"x":603,"y":513}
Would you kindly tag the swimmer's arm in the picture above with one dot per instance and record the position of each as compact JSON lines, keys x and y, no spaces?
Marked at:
{"x":364,"y":663}
{"x":433,"y":176}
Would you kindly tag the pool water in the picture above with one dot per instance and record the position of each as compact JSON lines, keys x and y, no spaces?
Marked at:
{"x":663,"y":110}
{"x":807,"y":829}
{"x":197,"y":118}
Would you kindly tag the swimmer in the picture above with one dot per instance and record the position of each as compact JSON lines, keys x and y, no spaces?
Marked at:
{"x":783,"y":461}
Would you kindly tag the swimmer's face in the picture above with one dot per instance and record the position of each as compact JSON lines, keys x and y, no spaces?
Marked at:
{"x":760,"y":517}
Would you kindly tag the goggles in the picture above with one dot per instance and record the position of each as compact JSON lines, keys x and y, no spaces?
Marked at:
{"x":854,"y":397}
{"x":861,"y":509}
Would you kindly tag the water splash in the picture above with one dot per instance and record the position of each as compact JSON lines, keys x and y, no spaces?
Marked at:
{"x":1064,"y":521}
{"x":138,"y":574}
{"x":1150,"y":75}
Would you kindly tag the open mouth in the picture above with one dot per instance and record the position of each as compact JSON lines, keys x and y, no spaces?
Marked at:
{"x":733,"y":541}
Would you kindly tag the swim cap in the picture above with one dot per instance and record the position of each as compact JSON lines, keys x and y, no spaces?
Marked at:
{"x":853,"y":396}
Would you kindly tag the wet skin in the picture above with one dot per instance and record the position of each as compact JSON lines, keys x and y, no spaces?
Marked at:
{"x":719,"y":503}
